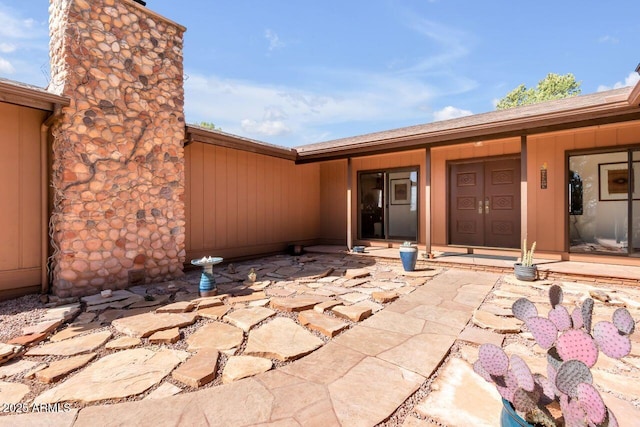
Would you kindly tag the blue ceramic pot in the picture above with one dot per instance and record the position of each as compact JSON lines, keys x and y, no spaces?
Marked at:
{"x":409,"y":256}
{"x":510,"y":418}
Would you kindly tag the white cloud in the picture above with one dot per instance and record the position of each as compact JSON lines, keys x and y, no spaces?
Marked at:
{"x":14,"y":27}
{"x":631,"y":80}
{"x":6,"y":67}
{"x":450,"y":112}
{"x":7,"y":47}
{"x":608,"y":39}
{"x":274,"y":40}
{"x":264,"y":111}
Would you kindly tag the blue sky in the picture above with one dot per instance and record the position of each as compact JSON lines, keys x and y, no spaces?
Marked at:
{"x":297,"y":72}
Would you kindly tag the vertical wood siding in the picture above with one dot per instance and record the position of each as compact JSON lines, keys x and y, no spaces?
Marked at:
{"x":333,"y":202}
{"x":20,"y":199}
{"x":241,"y":204}
{"x":546,"y":208}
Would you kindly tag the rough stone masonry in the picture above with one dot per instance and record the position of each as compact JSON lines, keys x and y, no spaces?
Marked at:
{"x":118,"y":161}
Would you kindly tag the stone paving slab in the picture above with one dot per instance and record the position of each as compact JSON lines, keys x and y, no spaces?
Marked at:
{"x":16,"y":367}
{"x":326,"y":325}
{"x":215,"y":406}
{"x":60,"y":368}
{"x":164,"y":390}
{"x":353,"y":313}
{"x":12,"y":392}
{"x":217,"y":335}
{"x":362,"y":398}
{"x":115,"y":376}
{"x":281,"y":339}
{"x":239,"y":367}
{"x":74,"y":330}
{"x":143,"y":325}
{"x":42,"y":327}
{"x":71,"y":346}
{"x":476,"y":402}
{"x":200,"y":369}
{"x":247,"y":318}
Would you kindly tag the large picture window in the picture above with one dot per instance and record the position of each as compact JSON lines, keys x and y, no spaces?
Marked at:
{"x":610,"y":190}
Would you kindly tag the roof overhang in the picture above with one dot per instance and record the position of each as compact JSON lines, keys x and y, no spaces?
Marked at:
{"x":222,"y":139}
{"x":615,"y":108}
{"x":30,"y":96}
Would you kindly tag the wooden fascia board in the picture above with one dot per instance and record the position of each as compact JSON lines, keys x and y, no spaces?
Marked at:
{"x":228,"y":141}
{"x":494,"y":130}
{"x":30,"y":98}
{"x":634,"y":96}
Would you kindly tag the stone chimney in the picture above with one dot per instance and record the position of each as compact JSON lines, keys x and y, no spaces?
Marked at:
{"x":118,"y":160}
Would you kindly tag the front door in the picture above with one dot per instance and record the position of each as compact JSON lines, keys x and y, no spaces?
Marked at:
{"x":484,"y":203}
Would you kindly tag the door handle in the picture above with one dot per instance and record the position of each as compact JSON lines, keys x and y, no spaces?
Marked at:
{"x":486,"y":205}
{"x":480,"y":207}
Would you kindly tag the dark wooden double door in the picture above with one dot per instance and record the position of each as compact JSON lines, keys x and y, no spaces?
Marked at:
{"x":484,"y":203}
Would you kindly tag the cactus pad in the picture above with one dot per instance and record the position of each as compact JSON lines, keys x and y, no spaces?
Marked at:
{"x":478,"y":369}
{"x":576,"y":344}
{"x":570,"y":374}
{"x":523,"y":309}
{"x":611,"y":420}
{"x":587,"y":311}
{"x":560,"y":317}
{"x":623,"y":321}
{"x":546,"y":388}
{"x":543,"y":330}
{"x":507,"y":386}
{"x":576,"y":318}
{"x":555,"y":295}
{"x":591,"y":402}
{"x":524,"y":401}
{"x":553,"y":358}
{"x":522,"y":373}
{"x":573,"y":413}
{"x":494,"y":360}
{"x":610,"y":341}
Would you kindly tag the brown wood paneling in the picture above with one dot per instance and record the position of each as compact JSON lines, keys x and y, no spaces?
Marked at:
{"x":546,"y":207}
{"x":20,"y":196}
{"x":250,"y":203}
{"x":333,"y":202}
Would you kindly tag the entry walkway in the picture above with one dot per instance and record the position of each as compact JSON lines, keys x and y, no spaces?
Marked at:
{"x":358,"y":379}
{"x":493,"y":261}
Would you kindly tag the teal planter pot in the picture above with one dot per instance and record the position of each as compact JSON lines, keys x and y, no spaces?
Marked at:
{"x":408,"y":256}
{"x":510,"y":418}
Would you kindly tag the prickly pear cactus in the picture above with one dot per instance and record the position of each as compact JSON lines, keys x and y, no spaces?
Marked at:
{"x":572,"y":349}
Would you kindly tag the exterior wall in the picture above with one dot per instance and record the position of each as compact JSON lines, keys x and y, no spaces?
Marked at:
{"x":118,"y":166}
{"x":389,"y":161}
{"x":333,"y":202}
{"x":439,"y":158}
{"x":550,"y":230}
{"x":20,"y":195}
{"x":241,"y":204}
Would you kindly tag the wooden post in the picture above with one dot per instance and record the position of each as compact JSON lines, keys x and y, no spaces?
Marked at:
{"x":427,"y":200}
{"x":523,"y":188}
{"x":349,"y":207}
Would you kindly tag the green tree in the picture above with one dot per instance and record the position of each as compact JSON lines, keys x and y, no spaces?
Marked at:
{"x":208,"y":125}
{"x":554,"y":86}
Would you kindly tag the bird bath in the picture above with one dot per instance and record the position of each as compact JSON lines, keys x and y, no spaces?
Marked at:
{"x":207,"y":281}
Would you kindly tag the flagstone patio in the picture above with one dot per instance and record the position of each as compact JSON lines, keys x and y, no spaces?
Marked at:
{"x":328,"y":350}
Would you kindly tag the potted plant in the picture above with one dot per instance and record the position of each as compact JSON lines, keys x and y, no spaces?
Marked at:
{"x":573,"y":346}
{"x":525,"y":270}
{"x":409,"y":256}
